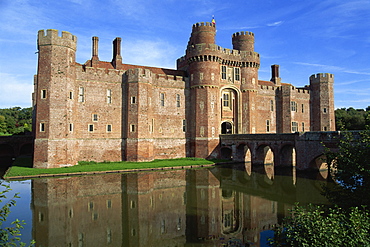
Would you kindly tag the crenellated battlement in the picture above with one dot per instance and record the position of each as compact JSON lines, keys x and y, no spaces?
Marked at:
{"x":242,"y":33}
{"x":203,"y":24}
{"x":322,"y":77}
{"x":52,"y":37}
{"x":213,"y":47}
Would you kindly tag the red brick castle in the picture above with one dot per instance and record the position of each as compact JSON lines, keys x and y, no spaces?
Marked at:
{"x":111,"y":111}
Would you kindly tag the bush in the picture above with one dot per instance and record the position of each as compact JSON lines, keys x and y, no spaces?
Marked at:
{"x":318,"y":226}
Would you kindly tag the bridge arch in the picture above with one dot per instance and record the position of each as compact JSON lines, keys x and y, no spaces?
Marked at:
{"x":319,"y":163}
{"x":265,"y":156}
{"x":26,"y":149}
{"x":226,"y":153}
{"x":7,"y":153}
{"x":243,"y":154}
{"x":287,"y":156}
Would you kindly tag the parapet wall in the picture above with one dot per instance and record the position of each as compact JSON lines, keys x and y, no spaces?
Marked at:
{"x":52,"y":38}
{"x":322,"y":77}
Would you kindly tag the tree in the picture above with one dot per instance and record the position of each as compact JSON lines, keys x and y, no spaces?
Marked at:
{"x":318,"y":226}
{"x":352,"y":119}
{"x":347,"y":224}
{"x":10,"y":236}
{"x":15,"y":120}
{"x":351,"y":171}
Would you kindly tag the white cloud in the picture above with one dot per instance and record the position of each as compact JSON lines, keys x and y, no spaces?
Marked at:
{"x":333,"y":68}
{"x":15,"y":91}
{"x":275,"y":24}
{"x":149,"y":53}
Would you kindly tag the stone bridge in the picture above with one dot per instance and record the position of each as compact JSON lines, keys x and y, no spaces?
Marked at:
{"x":15,"y":146}
{"x":302,"y":150}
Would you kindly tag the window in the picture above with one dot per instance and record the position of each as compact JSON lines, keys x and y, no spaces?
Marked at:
{"x":42,"y":127}
{"x":226,"y":100}
{"x":324,"y":110}
{"x":71,"y":95}
{"x":70,"y":127}
{"x":178,"y":100}
{"x":109,"y":96}
{"x":81,"y":94}
{"x":132,"y":128}
{"x":302,"y":126}
{"x":133,"y":100}
{"x":201,"y":76}
{"x":91,"y":127}
{"x":237,"y":74}
{"x":183,"y":125}
{"x":95,"y":216}
{"x":223,"y":72}
{"x":294,"y":127}
{"x":162,"y":99}
{"x":325,"y":128}
{"x":267,"y":125}
{"x":302,"y":108}
{"x":43,"y":94}
{"x":95,"y":117}
{"x":109,"y":128}
{"x":151,"y":128}
{"x":109,"y":204}
{"x":293,"y":106}
{"x":271,"y":105}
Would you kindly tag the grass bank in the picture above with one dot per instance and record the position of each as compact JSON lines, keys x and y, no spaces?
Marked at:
{"x":19,"y":171}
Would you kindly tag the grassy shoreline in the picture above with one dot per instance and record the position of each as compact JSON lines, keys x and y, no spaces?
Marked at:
{"x":21,"y":172}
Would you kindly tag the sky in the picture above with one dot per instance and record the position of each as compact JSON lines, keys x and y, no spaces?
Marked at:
{"x":303,"y":37}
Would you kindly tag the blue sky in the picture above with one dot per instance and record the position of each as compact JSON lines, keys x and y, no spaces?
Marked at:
{"x":303,"y":37}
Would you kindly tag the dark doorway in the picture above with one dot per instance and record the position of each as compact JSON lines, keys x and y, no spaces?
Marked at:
{"x":226,"y":128}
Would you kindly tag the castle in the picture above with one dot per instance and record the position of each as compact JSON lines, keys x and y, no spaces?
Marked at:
{"x":111,"y":111}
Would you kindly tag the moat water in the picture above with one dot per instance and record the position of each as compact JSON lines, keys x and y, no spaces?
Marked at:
{"x":219,"y":206}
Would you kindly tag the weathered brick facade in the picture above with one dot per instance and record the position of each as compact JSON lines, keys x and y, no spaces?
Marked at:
{"x":110,"y":111}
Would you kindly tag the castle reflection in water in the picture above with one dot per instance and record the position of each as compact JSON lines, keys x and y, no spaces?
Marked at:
{"x":199,"y":207}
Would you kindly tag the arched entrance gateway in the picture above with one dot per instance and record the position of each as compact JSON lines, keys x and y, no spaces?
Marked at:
{"x":226,"y":128}
{"x":230,"y":110}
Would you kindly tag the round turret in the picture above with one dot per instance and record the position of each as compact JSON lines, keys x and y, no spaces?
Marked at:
{"x":243,"y":41}
{"x":203,"y":32}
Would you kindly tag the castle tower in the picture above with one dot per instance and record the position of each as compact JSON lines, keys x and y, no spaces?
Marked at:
{"x":204,"y":72}
{"x":322,"y":102}
{"x":137,"y":137}
{"x":54,"y":85}
{"x":250,"y":63}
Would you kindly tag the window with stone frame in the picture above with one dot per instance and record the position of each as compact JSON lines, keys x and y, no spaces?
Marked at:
{"x":109,"y":96}
{"x":293,"y":106}
{"x":237,"y":74}
{"x":223,"y":72}
{"x":81,"y":94}
{"x":178,"y":100}
{"x":161,"y":97}
{"x":294,"y":127}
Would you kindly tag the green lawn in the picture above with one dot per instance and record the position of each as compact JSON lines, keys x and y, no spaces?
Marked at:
{"x":82,"y":167}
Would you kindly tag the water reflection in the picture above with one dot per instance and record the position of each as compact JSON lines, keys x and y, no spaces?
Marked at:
{"x":204,"y":207}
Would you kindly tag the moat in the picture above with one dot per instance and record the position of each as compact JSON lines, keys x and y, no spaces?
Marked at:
{"x":196,"y":207}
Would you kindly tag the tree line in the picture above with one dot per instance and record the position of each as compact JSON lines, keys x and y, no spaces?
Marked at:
{"x":15,"y":121}
{"x":352,"y":119}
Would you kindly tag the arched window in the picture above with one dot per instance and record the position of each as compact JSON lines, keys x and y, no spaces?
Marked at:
{"x":226,"y":128}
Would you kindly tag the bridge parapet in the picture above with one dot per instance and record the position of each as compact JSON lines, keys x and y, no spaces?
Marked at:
{"x":306,"y":149}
